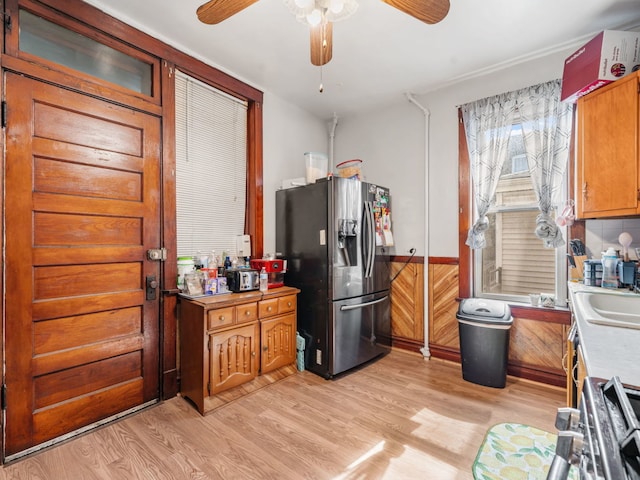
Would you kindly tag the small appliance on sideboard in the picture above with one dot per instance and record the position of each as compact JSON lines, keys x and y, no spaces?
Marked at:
{"x":242,"y":280}
{"x":275,"y":268}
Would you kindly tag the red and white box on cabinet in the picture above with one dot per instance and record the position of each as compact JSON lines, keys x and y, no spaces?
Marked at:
{"x":607,"y":57}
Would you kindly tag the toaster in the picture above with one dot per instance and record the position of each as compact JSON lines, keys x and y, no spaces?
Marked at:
{"x":243,"y":280}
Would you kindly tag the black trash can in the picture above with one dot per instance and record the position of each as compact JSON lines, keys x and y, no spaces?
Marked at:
{"x":484,"y":327}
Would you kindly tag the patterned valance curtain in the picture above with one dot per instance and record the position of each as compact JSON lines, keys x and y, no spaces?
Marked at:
{"x":546,"y":127}
{"x":487,"y":125}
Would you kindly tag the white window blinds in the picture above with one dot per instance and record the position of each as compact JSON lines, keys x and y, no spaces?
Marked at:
{"x":211,"y":168}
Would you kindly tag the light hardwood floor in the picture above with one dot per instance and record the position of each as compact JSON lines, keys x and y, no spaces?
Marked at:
{"x":401,"y":417}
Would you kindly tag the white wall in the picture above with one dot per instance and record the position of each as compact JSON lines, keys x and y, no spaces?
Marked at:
{"x":288,"y":132}
{"x":391,"y":142}
{"x":602,"y":234}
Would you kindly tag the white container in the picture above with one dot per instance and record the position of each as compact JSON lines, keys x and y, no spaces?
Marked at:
{"x":610,"y":268}
{"x":185,"y":265}
{"x":317,"y":166}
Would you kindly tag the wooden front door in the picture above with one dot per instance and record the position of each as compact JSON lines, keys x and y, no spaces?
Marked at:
{"x":82,"y":209}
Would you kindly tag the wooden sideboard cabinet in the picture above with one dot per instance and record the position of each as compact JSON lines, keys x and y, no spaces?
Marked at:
{"x":608,"y":151}
{"x":227,"y":340}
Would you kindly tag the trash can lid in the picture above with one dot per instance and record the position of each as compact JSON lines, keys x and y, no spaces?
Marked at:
{"x":484,"y":310}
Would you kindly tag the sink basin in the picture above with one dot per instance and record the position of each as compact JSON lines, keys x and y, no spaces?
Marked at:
{"x":609,"y":309}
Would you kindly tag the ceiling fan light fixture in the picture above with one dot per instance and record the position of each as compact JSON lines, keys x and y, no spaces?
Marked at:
{"x":340,"y":9}
{"x":314,"y":18}
{"x":336,"y":6}
{"x":304,"y":4}
{"x":328,"y":10}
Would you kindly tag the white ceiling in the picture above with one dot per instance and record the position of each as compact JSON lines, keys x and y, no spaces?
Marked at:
{"x":379,"y":53}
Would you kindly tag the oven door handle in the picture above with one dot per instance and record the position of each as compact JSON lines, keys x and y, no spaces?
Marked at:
{"x":559,"y":469}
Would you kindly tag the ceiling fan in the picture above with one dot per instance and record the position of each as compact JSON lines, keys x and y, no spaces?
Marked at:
{"x":320,"y":15}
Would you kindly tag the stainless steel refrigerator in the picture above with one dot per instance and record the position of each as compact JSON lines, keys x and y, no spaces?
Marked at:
{"x":336,"y":237}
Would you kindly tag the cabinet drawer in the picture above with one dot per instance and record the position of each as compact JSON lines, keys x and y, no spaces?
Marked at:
{"x":220,"y":317}
{"x":277,"y":306}
{"x":247,"y":313}
{"x":287,"y":304}
{"x":268,"y":308}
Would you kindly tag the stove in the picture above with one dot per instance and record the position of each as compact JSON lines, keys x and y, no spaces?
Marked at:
{"x":602,"y":437}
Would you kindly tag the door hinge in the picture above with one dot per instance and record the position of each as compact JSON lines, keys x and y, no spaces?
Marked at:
{"x":7,"y":22}
{"x":4,"y":114}
{"x":3,"y":397}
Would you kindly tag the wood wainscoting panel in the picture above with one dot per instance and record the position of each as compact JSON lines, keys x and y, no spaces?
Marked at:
{"x":443,"y":306}
{"x":537,"y":348}
{"x":407,"y":304}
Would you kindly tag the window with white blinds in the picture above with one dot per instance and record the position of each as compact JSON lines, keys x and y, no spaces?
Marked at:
{"x":211,"y":168}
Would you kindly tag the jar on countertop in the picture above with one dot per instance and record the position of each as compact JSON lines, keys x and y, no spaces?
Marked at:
{"x":610,"y":268}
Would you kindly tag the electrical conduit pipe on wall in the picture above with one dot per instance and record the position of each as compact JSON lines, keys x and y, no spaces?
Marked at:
{"x":332,"y":136}
{"x":427,"y":114}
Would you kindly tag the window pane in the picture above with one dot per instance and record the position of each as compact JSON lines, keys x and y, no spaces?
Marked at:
{"x":65,"y":47}
{"x":515,"y":262}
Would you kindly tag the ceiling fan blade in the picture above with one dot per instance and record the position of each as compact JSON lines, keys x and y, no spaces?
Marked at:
{"x":321,"y":43}
{"x":427,"y":11}
{"x":216,"y":11}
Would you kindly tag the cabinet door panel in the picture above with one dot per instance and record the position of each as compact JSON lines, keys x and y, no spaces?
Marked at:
{"x":233,"y":357}
{"x":608,"y":170}
{"x":278,"y":340}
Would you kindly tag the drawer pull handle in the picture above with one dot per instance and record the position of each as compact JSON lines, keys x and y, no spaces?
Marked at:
{"x":221,"y":318}
{"x":247,"y":313}
{"x":269,"y":309}
{"x":288,"y":304}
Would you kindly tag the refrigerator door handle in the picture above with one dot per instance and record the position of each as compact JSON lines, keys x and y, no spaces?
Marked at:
{"x":371,"y":238}
{"x":344,"y":308}
{"x":365,"y":239}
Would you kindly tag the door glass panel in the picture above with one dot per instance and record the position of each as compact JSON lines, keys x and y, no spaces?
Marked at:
{"x":55,"y":43}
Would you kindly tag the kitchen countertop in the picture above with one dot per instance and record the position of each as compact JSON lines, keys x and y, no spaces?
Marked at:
{"x":607,"y":350}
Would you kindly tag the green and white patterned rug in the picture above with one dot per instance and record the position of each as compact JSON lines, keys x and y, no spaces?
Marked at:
{"x":512,"y":451}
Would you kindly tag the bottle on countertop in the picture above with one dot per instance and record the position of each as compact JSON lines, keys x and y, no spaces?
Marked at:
{"x":610,"y":268}
{"x":264,"y":280}
{"x":227,"y":263}
{"x":199,"y":260}
{"x":212,"y":262}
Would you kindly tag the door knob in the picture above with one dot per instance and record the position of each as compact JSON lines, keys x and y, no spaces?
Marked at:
{"x":152,"y":285}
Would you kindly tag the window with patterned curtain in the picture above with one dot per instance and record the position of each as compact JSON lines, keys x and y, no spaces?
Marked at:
{"x":514,"y":237}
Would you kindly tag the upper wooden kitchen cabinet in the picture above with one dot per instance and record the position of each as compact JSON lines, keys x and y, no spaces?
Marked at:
{"x":608,"y":152}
